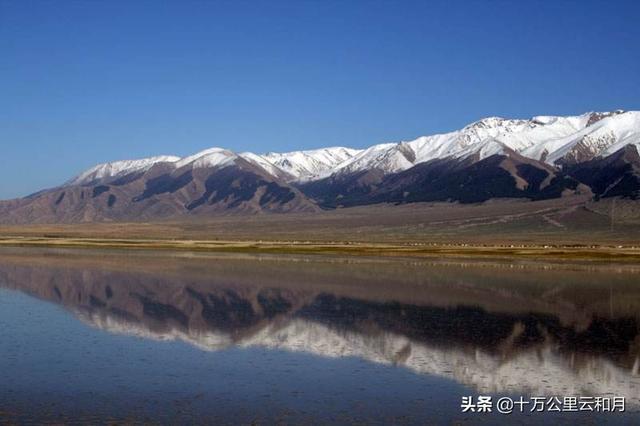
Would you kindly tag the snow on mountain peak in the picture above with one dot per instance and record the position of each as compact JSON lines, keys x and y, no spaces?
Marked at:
{"x":306,"y":165}
{"x":544,"y":119}
{"x":552,"y":139}
{"x":212,"y":157}
{"x":487,"y":122}
{"x":597,"y":134}
{"x":119,"y":168}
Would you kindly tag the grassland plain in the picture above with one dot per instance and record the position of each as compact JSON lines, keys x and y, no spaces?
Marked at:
{"x":504,"y":228}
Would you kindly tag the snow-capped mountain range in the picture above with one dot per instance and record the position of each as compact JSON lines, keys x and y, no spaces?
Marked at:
{"x":592,"y":156}
{"x":545,"y":138}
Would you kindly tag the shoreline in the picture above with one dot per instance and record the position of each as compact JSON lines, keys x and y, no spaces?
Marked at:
{"x":595,"y":252}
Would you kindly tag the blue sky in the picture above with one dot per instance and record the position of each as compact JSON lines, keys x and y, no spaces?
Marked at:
{"x":83,"y":82}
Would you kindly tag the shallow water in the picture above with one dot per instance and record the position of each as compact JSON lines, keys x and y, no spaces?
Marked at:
{"x":94,"y":337}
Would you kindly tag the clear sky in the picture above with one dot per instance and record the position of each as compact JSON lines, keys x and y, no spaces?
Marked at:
{"x":84,"y":82}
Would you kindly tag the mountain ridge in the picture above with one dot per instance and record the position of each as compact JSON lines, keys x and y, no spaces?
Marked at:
{"x":555,"y":134}
{"x":540,"y":158}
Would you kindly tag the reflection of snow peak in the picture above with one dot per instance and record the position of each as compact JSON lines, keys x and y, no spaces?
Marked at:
{"x":535,"y":371}
{"x":204,"y":340}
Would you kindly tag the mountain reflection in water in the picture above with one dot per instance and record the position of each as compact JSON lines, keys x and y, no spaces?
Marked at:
{"x":499,"y":329}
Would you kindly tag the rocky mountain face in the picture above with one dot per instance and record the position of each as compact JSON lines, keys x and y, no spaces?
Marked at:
{"x":161,"y":190}
{"x":507,"y":175}
{"x":544,"y":157}
{"x":617,"y":175}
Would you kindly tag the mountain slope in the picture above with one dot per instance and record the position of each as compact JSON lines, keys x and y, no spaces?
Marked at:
{"x":545,"y":138}
{"x":309,"y":165}
{"x":116,"y":169}
{"x":543,"y":157}
{"x":504,"y":175}
{"x":617,"y":175}
{"x":216,"y":182}
{"x":551,"y":139}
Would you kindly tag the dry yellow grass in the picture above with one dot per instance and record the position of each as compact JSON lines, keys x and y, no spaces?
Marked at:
{"x":546,"y":229}
{"x":546,"y":252}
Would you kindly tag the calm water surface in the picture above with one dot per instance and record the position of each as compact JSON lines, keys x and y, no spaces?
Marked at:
{"x":99,"y":337}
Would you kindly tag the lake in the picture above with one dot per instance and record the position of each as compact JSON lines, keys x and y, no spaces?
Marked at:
{"x":91,"y":336}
